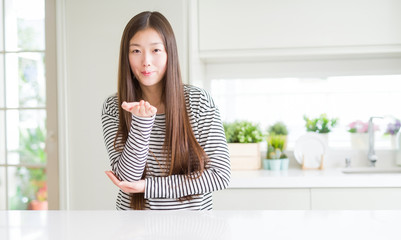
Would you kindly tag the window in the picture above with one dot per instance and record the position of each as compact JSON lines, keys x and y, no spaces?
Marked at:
{"x":348,"y":98}
{"x":23,"y":105}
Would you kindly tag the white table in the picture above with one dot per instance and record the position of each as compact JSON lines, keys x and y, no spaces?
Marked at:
{"x":115,"y":225}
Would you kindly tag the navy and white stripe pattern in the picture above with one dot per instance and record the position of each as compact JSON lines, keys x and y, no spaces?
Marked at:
{"x":143,"y":149}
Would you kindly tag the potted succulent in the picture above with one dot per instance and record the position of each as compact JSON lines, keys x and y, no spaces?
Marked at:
{"x":278,"y":128}
{"x":243,"y":138}
{"x":276,"y":134}
{"x":275,"y":157}
{"x":321,"y":124}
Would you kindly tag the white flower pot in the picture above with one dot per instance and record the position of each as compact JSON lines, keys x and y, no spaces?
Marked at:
{"x":325,"y":137}
{"x":360,"y":141}
{"x":398,"y":152}
{"x":394,"y":142}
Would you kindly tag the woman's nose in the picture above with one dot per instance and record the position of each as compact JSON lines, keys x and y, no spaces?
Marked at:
{"x":147,"y":59}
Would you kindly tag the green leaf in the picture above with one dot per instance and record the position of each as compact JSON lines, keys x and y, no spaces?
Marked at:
{"x":242,"y":132}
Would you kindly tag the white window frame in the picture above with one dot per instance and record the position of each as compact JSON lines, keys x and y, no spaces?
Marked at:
{"x":52,"y":169}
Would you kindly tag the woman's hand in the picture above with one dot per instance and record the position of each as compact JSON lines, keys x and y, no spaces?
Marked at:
{"x":139,"y":109}
{"x":127,"y":187}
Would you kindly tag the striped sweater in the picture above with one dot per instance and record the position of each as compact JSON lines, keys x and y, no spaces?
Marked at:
{"x":143,"y":149}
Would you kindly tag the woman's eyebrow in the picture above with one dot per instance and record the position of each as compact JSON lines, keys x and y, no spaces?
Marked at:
{"x":138,"y":45}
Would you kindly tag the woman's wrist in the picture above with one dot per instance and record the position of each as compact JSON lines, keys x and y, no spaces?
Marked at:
{"x":141,"y":186}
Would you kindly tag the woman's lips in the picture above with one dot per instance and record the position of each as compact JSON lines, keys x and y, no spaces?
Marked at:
{"x":146,"y":73}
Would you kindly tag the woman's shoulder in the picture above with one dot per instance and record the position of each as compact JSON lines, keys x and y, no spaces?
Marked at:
{"x":110,"y":106}
{"x":198,"y":96}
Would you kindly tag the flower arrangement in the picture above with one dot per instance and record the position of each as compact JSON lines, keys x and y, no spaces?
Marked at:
{"x":40,"y":201}
{"x":321,"y":124}
{"x":358,"y":127}
{"x":393,"y":127}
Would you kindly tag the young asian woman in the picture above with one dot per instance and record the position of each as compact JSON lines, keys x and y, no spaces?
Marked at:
{"x":165,"y":140}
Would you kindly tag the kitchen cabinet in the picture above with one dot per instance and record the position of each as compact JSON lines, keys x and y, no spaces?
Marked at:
{"x":356,"y":198}
{"x":296,"y":189}
{"x":262,"y":199}
{"x":257,"y":28}
{"x":308,"y":199}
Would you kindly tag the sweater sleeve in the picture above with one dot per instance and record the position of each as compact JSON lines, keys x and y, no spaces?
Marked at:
{"x":216,"y":175}
{"x":128,"y":164}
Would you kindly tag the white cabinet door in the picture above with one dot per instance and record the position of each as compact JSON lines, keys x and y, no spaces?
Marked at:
{"x":356,"y":198}
{"x":297,"y":26}
{"x":262,"y":199}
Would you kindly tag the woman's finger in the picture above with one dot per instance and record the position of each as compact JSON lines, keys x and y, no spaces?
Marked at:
{"x":142,"y":111}
{"x":148,"y":109}
{"x":136,"y":110}
{"x":152,"y":110}
{"x":128,"y":106}
{"x":113,"y":177}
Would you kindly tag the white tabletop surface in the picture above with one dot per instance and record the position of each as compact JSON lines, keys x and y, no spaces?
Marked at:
{"x":297,"y":178}
{"x":115,"y":225}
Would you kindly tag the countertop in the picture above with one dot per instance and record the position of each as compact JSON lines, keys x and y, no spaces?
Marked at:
{"x":116,"y":225}
{"x":297,"y":178}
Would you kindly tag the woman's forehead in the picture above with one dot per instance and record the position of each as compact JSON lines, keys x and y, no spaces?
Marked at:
{"x":148,"y":36}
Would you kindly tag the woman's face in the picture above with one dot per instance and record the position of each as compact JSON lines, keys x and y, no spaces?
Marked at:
{"x":147,"y":57}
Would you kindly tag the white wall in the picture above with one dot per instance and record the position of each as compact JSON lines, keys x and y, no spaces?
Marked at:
{"x":89,"y":33}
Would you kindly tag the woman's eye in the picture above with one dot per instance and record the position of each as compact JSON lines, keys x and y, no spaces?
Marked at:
{"x":157,"y":50}
{"x":135,"y":51}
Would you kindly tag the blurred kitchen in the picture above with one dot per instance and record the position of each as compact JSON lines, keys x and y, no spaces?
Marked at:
{"x":315,"y":83}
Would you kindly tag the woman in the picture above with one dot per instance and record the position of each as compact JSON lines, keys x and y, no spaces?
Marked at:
{"x":166,"y":142}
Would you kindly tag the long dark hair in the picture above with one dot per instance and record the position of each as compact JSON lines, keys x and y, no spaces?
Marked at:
{"x":181,"y":148}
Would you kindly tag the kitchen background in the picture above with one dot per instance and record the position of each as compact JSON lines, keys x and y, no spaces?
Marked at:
{"x":262,"y":60}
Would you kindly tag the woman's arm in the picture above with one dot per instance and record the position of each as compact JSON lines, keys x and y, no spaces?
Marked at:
{"x":129,"y":164}
{"x":216,"y":175}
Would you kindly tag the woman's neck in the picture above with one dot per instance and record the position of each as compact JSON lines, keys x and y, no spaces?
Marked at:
{"x":154,"y":96}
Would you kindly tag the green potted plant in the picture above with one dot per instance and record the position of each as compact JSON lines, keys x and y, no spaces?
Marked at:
{"x":31,"y":189}
{"x":40,"y":202}
{"x":321,"y":124}
{"x":276,"y":159}
{"x":243,"y":138}
{"x":278,"y":128}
